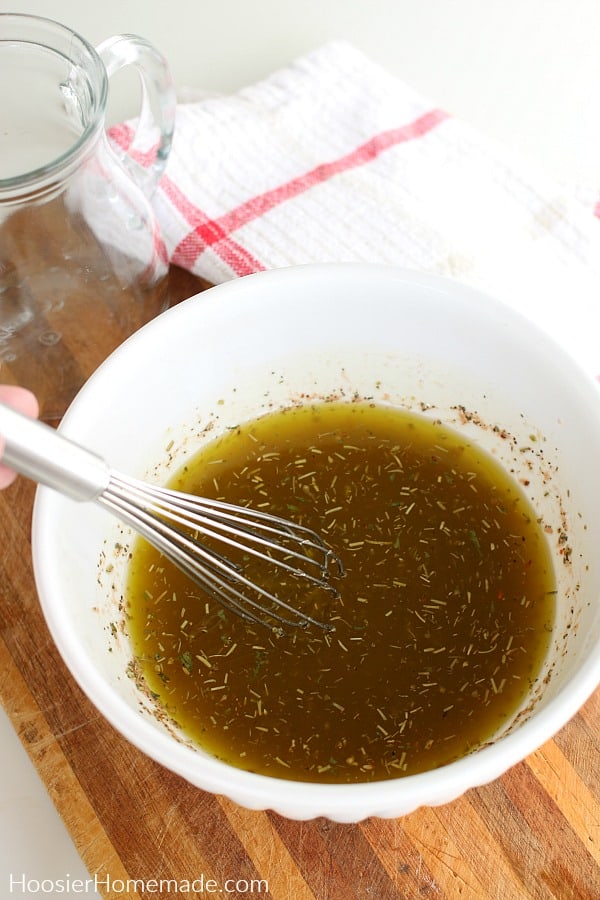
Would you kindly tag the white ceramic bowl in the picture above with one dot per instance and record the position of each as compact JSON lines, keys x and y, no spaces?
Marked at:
{"x":235,"y":351}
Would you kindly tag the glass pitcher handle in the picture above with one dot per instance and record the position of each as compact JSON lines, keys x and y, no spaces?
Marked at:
{"x":151,"y":142}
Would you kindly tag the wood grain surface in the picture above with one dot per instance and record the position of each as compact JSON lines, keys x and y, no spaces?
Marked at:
{"x":534,"y":833}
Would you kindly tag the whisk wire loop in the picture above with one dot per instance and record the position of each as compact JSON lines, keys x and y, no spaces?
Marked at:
{"x":227,"y":523}
{"x":178,"y":525}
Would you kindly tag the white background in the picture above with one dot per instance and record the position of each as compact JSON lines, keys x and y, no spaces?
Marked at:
{"x":525,"y":72}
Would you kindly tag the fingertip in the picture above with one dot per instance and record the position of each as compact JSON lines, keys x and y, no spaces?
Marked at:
{"x":20,"y":398}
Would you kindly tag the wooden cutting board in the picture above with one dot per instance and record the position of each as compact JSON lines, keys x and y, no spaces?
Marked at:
{"x":533,"y":833}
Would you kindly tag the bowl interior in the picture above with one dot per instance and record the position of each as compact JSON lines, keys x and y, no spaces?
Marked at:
{"x":315,"y":332}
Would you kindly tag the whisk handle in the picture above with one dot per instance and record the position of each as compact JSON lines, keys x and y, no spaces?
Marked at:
{"x":39,"y":452}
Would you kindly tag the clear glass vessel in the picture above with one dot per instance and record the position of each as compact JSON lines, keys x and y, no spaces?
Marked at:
{"x":82,"y":261}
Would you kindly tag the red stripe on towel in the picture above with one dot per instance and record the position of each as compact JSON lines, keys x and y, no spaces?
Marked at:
{"x":233,"y":254}
{"x":216,"y":233}
{"x":240,"y":260}
{"x":123,"y":135}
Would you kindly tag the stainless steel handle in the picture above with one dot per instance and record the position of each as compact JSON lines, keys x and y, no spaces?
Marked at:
{"x":44,"y":455}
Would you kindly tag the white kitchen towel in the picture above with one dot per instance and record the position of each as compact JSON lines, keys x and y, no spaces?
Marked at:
{"x":334,"y":159}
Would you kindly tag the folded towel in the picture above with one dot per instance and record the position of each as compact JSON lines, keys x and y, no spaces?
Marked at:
{"x":334,"y":159}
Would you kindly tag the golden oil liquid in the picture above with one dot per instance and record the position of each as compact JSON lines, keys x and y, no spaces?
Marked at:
{"x":444,"y":616}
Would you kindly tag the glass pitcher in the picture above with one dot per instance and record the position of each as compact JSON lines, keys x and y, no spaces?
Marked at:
{"x":82,"y":261}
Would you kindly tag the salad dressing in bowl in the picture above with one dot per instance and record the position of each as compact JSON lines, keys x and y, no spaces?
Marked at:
{"x":442,"y":623}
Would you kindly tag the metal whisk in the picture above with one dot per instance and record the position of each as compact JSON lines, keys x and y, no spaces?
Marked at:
{"x":184,"y":528}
